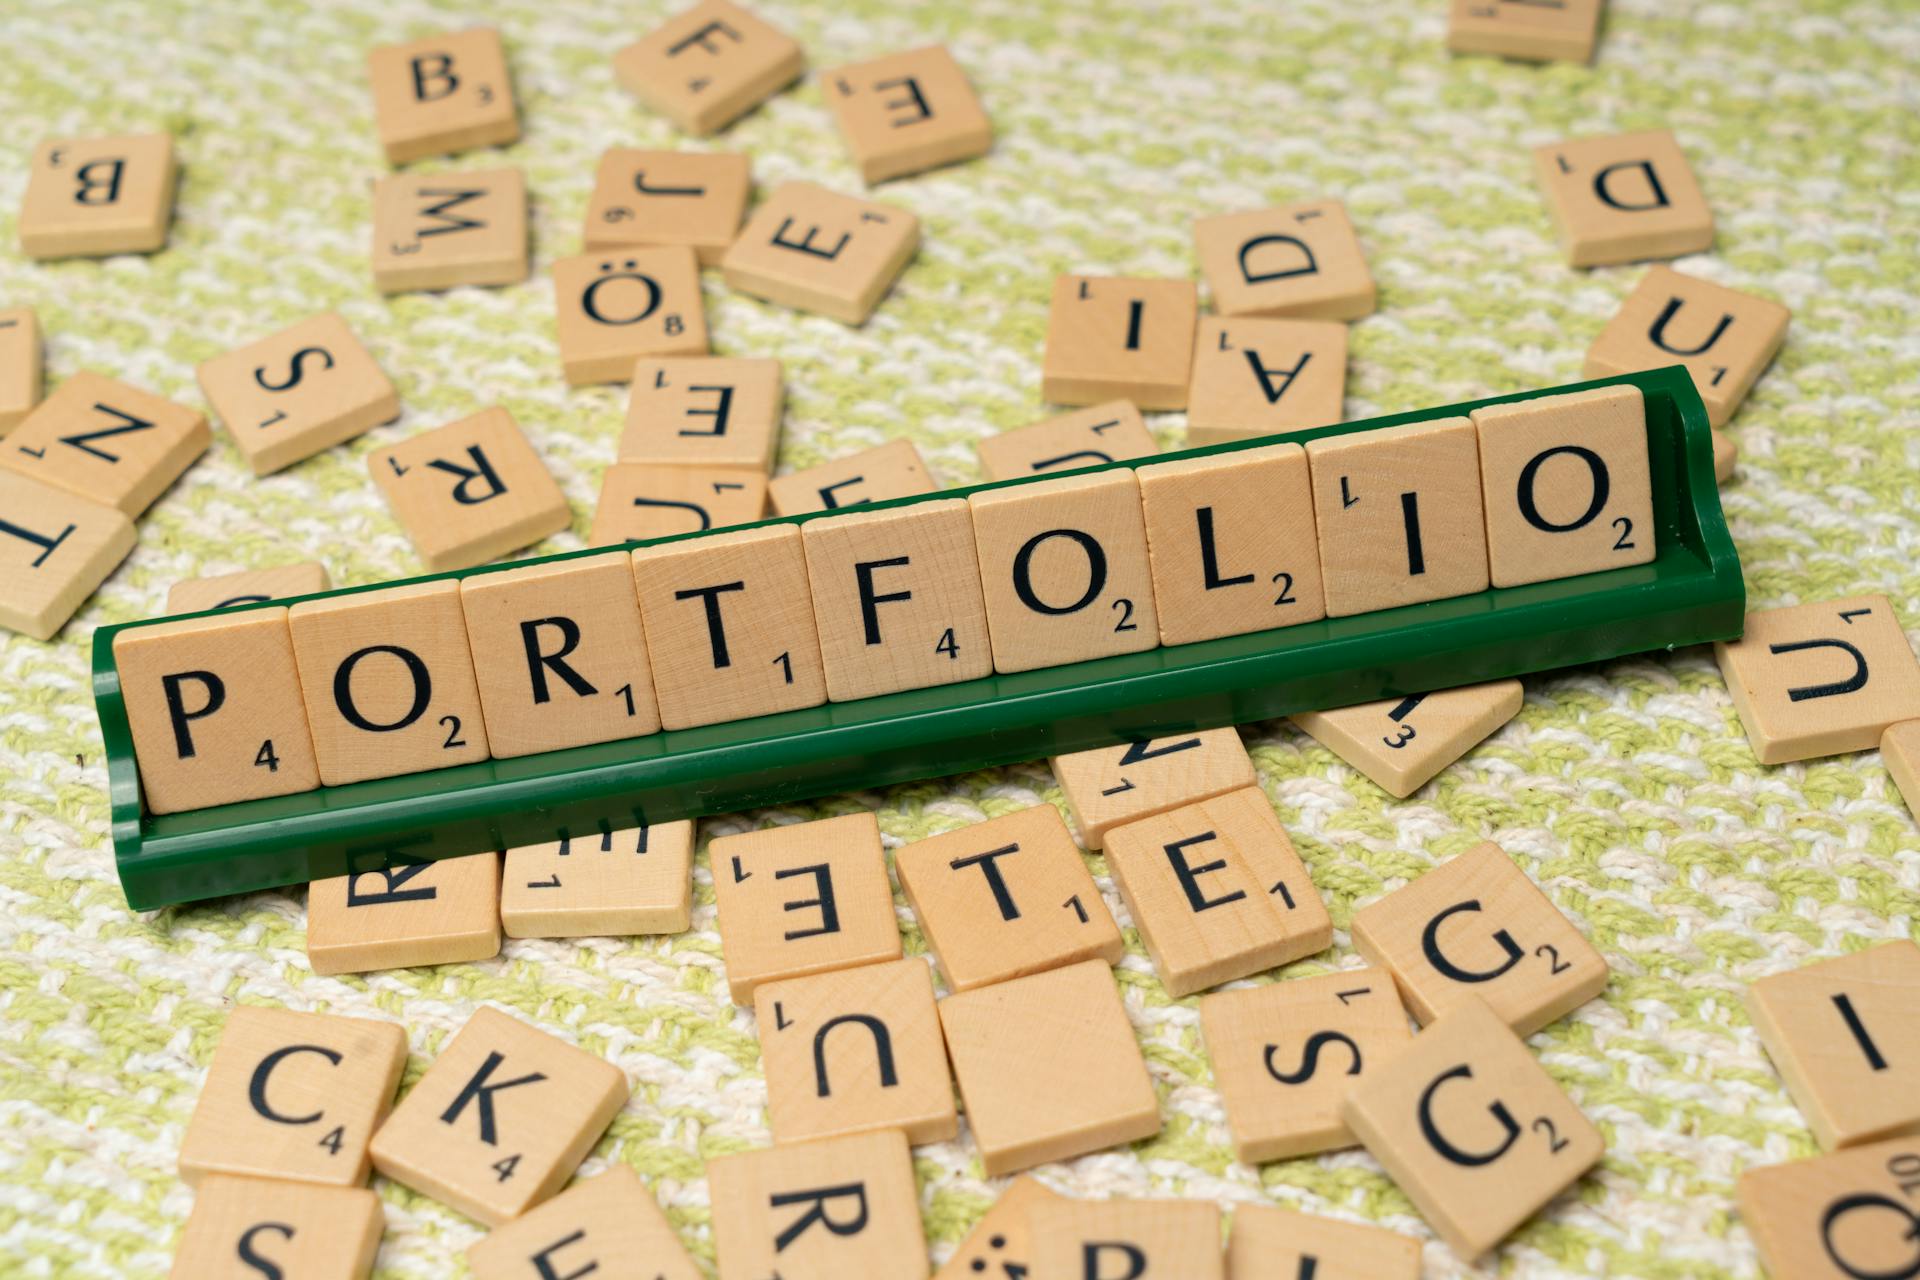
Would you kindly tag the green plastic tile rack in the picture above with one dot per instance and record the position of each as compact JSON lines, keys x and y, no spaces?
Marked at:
{"x":1692,"y":592}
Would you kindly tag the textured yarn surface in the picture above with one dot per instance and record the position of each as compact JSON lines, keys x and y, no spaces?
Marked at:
{"x":1626,"y":790}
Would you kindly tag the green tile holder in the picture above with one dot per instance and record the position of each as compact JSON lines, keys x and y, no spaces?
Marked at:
{"x":1691,"y":592}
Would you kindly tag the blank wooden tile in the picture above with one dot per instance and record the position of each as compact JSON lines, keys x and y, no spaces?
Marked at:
{"x":246,"y":1228}
{"x":1048,"y":1067}
{"x":500,"y":1120}
{"x":890,"y":470}
{"x":600,"y":884}
{"x":1175,"y":1239}
{"x":730,"y":628}
{"x":443,"y":912}
{"x":1475,"y":928}
{"x":591,"y":1228}
{"x":639,"y":501}
{"x":1083,"y":438}
{"x":710,"y":411}
{"x":1818,"y":679}
{"x":1625,"y":197}
{"x":442,"y":94}
{"x":1900,"y":753}
{"x":1007,"y":897}
{"x":90,"y":197}
{"x":614,"y":308}
{"x":55,"y":550}
{"x":441,"y":230}
{"x":1837,"y":1217}
{"x":1107,"y":786}
{"x":22,"y":362}
{"x":1399,"y":514}
{"x":107,"y":442}
{"x":248,"y":586}
{"x":1284,"y":1055}
{"x":304,"y":389}
{"x":907,"y":112}
{"x":1117,"y":338}
{"x":1472,"y":1128}
{"x":1562,"y":31}
{"x":1064,"y":570}
{"x":1403,"y":743}
{"x":692,"y":199}
{"x":1293,"y":260}
{"x":1231,"y":542}
{"x":1271,"y":1243}
{"x":816,"y":250}
{"x":845,"y":1206}
{"x":559,"y":655}
{"x":388,"y":681}
{"x":1000,"y":1246}
{"x":470,"y":491}
{"x":1725,"y":338}
{"x":802,"y":899}
{"x":896,"y":599}
{"x":293,"y":1095}
{"x":215,"y":709}
{"x":1256,"y":376}
{"x":708,"y":65}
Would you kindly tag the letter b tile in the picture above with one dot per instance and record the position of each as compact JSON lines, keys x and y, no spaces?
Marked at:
{"x":90,"y":197}
{"x":442,"y":94}
{"x":1094,"y":1239}
{"x":822,"y":1210}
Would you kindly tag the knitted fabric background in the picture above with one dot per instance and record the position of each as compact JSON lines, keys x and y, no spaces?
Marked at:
{"x":1626,"y":790}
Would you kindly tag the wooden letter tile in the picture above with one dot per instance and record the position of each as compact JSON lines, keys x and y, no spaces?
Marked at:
{"x":1837,"y":1217}
{"x":1254,"y":376}
{"x":1083,"y":438}
{"x":1400,"y":515}
{"x":617,"y":307}
{"x":470,"y":491}
{"x":1472,"y":1128}
{"x":1564,"y":31}
{"x":1048,"y":1067}
{"x":601,"y":884}
{"x":1402,"y":743}
{"x":443,"y":94}
{"x":592,"y":1228}
{"x":710,"y":411}
{"x":306,"y":388}
{"x":692,"y":199}
{"x":90,"y":197}
{"x":838,"y":1207}
{"x":907,"y":112}
{"x":1725,"y":455}
{"x":1174,"y":1239}
{"x":639,"y":501}
{"x":54,"y":550}
{"x":1476,"y":929}
{"x":1007,"y":897}
{"x":1295,"y":260}
{"x":22,"y":363}
{"x":1818,"y":679}
{"x":1271,"y":1243}
{"x":107,"y":442}
{"x":246,"y":1228}
{"x":706,"y":66}
{"x":501,"y":1119}
{"x":1725,"y":339}
{"x":1108,"y":786}
{"x":802,"y":899}
{"x":249,"y":586}
{"x":294,"y":1095}
{"x":1900,"y":753}
{"x":1623,"y":198}
{"x":420,"y":913}
{"x":1000,"y":1246}
{"x":1114,"y":338}
{"x":891,"y":470}
{"x":440,"y":230}
{"x":817,"y":250}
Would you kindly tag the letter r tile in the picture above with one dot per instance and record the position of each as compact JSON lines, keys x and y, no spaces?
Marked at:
{"x":470,"y":491}
{"x":819,"y":1210}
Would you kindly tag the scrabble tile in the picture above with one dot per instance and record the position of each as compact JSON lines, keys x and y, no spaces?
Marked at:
{"x":1107,"y":786}
{"x":1837,"y":1217}
{"x":500,"y":1120}
{"x":1625,"y":197}
{"x":245,"y":1228}
{"x":1723,"y":337}
{"x":1472,"y":1128}
{"x":306,"y":388}
{"x":1399,"y":514}
{"x":1217,"y":891}
{"x":712,"y":411}
{"x":1403,"y":743}
{"x":106,"y":442}
{"x":214,"y":706}
{"x":1231,"y":543}
{"x":1293,"y":260}
{"x":896,"y":599}
{"x":1000,"y":1246}
{"x":422,"y":913}
{"x":470,"y":491}
{"x":249,"y":586}
{"x":1475,"y":928}
{"x":802,"y":899}
{"x":1083,"y":438}
{"x":600,"y":884}
{"x":441,"y":230}
{"x":1818,"y":679}
{"x":1111,"y":338}
{"x":691,"y":199}
{"x":639,"y":501}
{"x":709,"y":65}
{"x":843,"y":1206}
{"x":1255,"y":376}
{"x":1048,"y":1067}
{"x":1005,"y":898}
{"x":1284,"y":1055}
{"x":1271,"y":1243}
{"x":617,"y":307}
{"x":389,"y":682}
{"x":293,"y":1095}
{"x":890,"y":470}
{"x":1725,"y":455}
{"x":442,"y":94}
{"x":1175,"y":1239}
{"x":854,"y":1050}
{"x":1064,"y":570}
{"x":90,"y":197}
{"x":22,"y":362}
{"x":591,"y":1228}
{"x":1845,"y":1036}
{"x":54,"y":550}
{"x":730,"y":630}
{"x":816,"y":250}
{"x":907,"y":112}
{"x":1563,"y":31}
{"x":559,"y":655}
{"x":1900,"y":753}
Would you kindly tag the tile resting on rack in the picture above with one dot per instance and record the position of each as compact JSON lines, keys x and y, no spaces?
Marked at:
{"x":1403,"y":743}
{"x":639,"y":501}
{"x":470,"y":491}
{"x":891,"y":470}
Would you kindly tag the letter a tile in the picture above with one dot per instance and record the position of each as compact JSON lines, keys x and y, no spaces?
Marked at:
{"x":614,"y":308}
{"x":590,"y":1229}
{"x":1000,"y":1245}
{"x":1723,"y":337}
{"x":1295,"y":260}
{"x":640,"y":501}
{"x":907,"y":112}
{"x":1175,"y":1239}
{"x":817,"y":250}
{"x":1254,"y":376}
{"x":1067,"y":442}
{"x":1404,"y":743}
{"x":421,"y":913}
{"x":470,"y":491}
{"x":1108,"y":786}
{"x":1623,"y":198}
{"x":1838,"y":1217}
{"x":107,"y":442}
{"x":1114,"y":338}
{"x":440,"y":230}
{"x":824,"y":1210}
{"x":306,"y":388}
{"x":601,"y":884}
{"x":90,"y":197}
{"x":443,"y":94}
{"x":246,"y":1228}
{"x":1271,"y":1243}
{"x":706,"y":66}
{"x":55,"y":549}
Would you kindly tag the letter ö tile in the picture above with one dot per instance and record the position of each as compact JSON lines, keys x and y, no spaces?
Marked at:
{"x":619,"y":306}
{"x":1000,"y":1246}
{"x":470,"y":491}
{"x":844,"y":1206}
